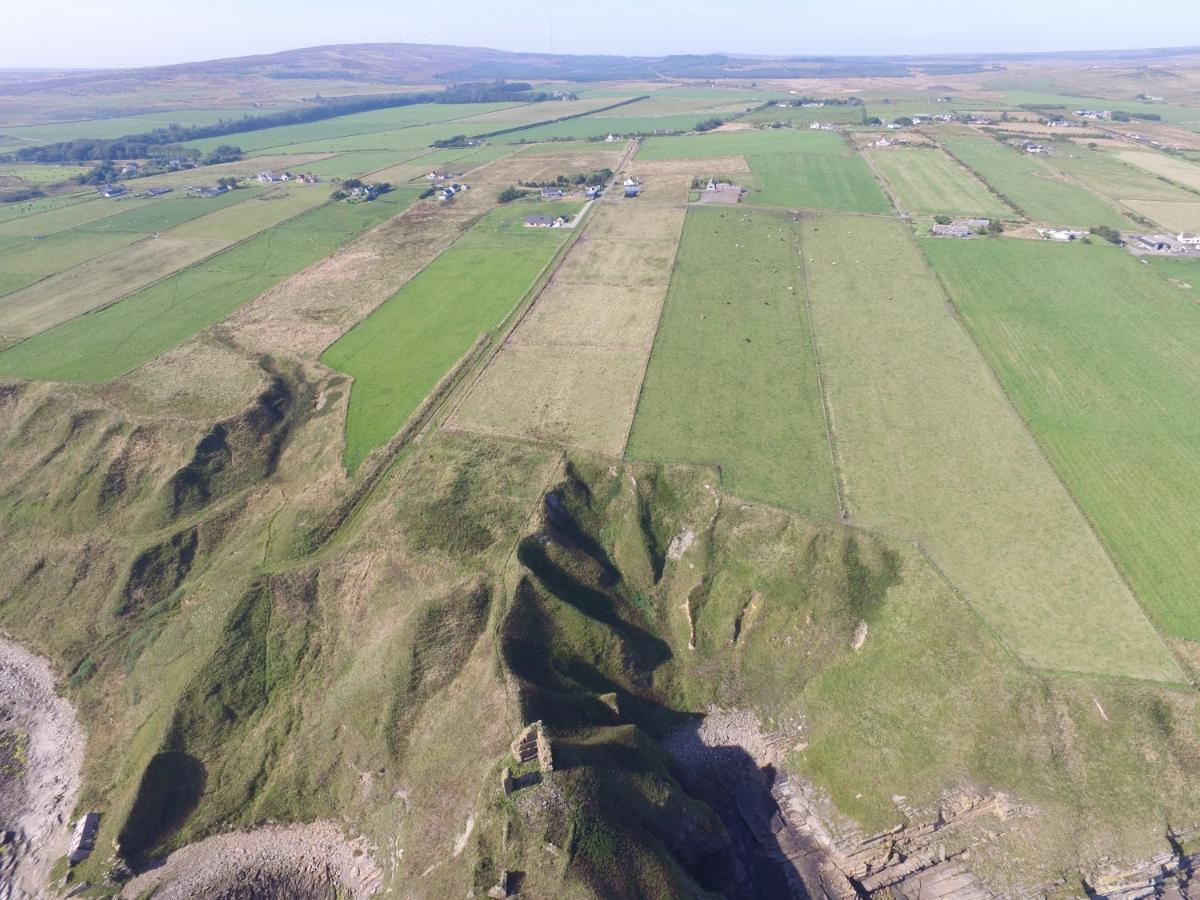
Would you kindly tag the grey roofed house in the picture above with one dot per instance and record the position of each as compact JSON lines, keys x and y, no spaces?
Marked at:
{"x":539,"y":222}
{"x":958,"y":231}
{"x":551,"y":193}
{"x":158,"y":191}
{"x":113,"y":190}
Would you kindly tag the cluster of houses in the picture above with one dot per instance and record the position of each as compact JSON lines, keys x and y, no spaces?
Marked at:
{"x":449,"y":191}
{"x":1032,"y":147}
{"x":822,"y":126}
{"x":209,"y":191}
{"x":884,"y":142}
{"x":960,"y":228}
{"x":1185,"y":242}
{"x":546,"y":221}
{"x":1093,"y":113}
{"x":277,"y":177}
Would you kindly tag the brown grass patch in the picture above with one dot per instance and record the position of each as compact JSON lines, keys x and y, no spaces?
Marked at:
{"x":1176,"y":216}
{"x":566,"y":395}
{"x":593,"y":315}
{"x":620,"y":262}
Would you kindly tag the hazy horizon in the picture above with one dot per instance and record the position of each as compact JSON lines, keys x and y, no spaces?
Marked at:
{"x":88,"y":36}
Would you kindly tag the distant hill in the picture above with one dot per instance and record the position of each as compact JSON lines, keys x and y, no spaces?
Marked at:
{"x":423,"y":64}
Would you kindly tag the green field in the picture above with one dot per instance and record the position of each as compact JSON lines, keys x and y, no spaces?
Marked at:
{"x":928,"y":182}
{"x":930,"y":450}
{"x":115,"y":126}
{"x":356,"y":125}
{"x":43,"y":174}
{"x":133,"y":259}
{"x":1103,"y":359}
{"x":602,"y":126}
{"x":801,"y":116}
{"x":758,"y":142}
{"x":731,"y":380}
{"x":1106,"y":174}
{"x":816,"y":181}
{"x":105,"y":344}
{"x":1043,"y":194}
{"x":399,"y":353}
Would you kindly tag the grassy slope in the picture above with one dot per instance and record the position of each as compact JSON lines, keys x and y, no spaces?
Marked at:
{"x":1035,"y":188}
{"x":398,"y":353}
{"x":104,"y":344}
{"x":731,"y":381}
{"x":930,"y":450}
{"x":1101,"y":357}
{"x":929,"y":183}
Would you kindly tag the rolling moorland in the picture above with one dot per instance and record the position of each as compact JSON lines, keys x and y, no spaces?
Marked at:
{"x":805,"y":448}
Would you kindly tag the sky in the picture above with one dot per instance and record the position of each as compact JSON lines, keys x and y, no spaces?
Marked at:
{"x":126,"y":33}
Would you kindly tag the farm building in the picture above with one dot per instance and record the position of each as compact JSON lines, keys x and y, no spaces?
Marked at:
{"x":592,"y":192}
{"x":552,"y":193}
{"x":975,"y":223}
{"x":158,"y":191}
{"x":1189,"y":239}
{"x":955,"y":231}
{"x":633,"y":187}
{"x":611,"y":139}
{"x":113,"y":190}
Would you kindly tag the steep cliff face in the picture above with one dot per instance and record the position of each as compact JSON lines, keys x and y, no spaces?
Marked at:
{"x":230,"y":671}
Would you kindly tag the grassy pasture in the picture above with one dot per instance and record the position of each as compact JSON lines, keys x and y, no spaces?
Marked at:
{"x":42,"y":256}
{"x":50,"y":219}
{"x":242,"y":220}
{"x":1174,"y":216}
{"x":601,"y":126}
{"x":1182,"y":274}
{"x":930,"y":450}
{"x":102,"y":345}
{"x":354,"y":125}
{"x":1034,"y":187}
{"x":113,"y":126}
{"x":801,"y":116}
{"x":95,"y":283}
{"x":1100,"y":356}
{"x":816,"y":181}
{"x":10,"y":211}
{"x":40,"y":174}
{"x":1110,"y":175}
{"x":928,"y":182}
{"x":398,"y":353}
{"x":731,"y":380}
{"x":759,"y":142}
{"x":206,"y":227}
{"x":571,"y":371}
{"x":1171,"y":167}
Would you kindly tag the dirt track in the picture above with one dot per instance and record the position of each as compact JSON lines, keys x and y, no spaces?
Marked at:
{"x":37,"y":802}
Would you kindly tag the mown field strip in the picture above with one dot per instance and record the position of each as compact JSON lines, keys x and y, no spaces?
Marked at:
{"x":44,"y":255}
{"x":928,"y":182}
{"x":930,"y":450}
{"x":1179,"y":170}
{"x":400,"y":351}
{"x":732,"y":380}
{"x":104,"y":344}
{"x":1043,"y":194}
{"x":106,"y":279}
{"x":1102,"y":357}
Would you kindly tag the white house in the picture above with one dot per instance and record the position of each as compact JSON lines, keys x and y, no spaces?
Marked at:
{"x":1190,"y":239}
